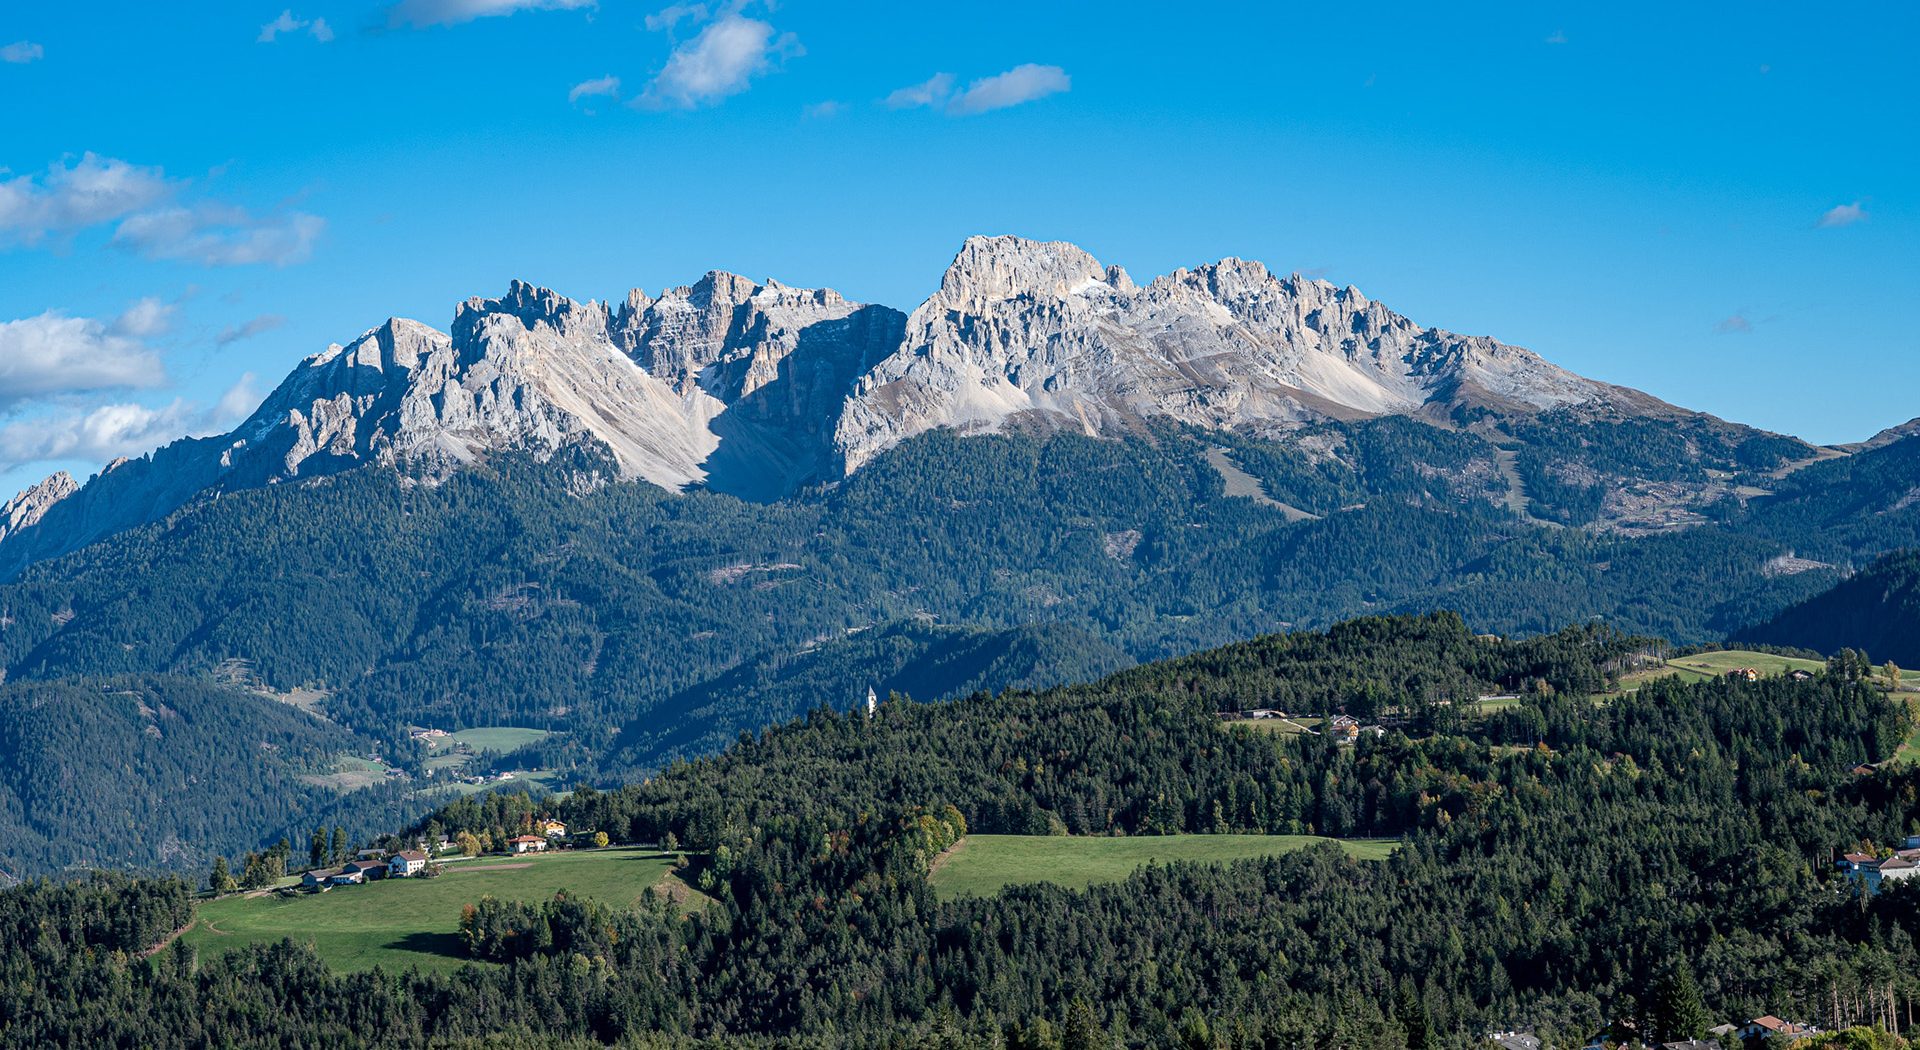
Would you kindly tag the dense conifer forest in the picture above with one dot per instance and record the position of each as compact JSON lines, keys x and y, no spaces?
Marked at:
{"x":641,"y":626}
{"x":1645,"y":860}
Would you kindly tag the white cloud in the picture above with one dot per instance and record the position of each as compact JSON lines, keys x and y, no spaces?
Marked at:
{"x":145,"y":319}
{"x":825,"y":110}
{"x":668,"y":17}
{"x":931,"y":92}
{"x":423,"y":13}
{"x":236,"y":404}
{"x":286,"y":23}
{"x":53,"y":354}
{"x":67,"y":198}
{"x":22,"y":52}
{"x":249,"y":329}
{"x":719,"y":62}
{"x":1019,"y":84}
{"x":1843,"y":215}
{"x":608,"y":86}
{"x":221,"y":235}
{"x":1558,"y":36}
{"x":1735,"y":325}
{"x":102,"y":433}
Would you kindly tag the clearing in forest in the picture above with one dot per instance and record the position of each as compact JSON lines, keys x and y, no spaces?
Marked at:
{"x":981,"y":865}
{"x":397,"y":923}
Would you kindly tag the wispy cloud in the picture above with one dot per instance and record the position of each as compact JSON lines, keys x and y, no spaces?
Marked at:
{"x":221,"y":235}
{"x":146,"y":318}
{"x":22,"y":52}
{"x":423,"y":13}
{"x":607,"y":86}
{"x":1734,"y":325}
{"x":1558,"y":36}
{"x":286,"y":23}
{"x":248,"y":329}
{"x":1020,"y":84}
{"x":52,"y":354}
{"x":236,"y":404}
{"x":718,"y":63}
{"x":73,"y":197}
{"x":668,"y":17}
{"x":1843,"y":215}
{"x":824,"y":110}
{"x":930,"y":92}
{"x":96,"y":191}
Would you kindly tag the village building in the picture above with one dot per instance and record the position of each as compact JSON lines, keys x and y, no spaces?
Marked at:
{"x":318,"y":877}
{"x":368,"y":870}
{"x":346,"y":878}
{"x":406,"y":863}
{"x":553,"y":829}
{"x":1770,"y":1028}
{"x":528,"y":844}
{"x":1514,"y":1041}
{"x":1692,"y":1044}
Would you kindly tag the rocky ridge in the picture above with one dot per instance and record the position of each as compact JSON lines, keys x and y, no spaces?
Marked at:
{"x":757,"y":389}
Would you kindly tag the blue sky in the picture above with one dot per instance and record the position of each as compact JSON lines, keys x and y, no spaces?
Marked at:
{"x":1714,"y":203}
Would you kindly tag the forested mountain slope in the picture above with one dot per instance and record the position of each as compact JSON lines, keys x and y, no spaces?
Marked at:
{"x":1876,"y":610}
{"x":911,"y":658}
{"x":509,"y":596}
{"x":1649,"y":865}
{"x":148,"y":772}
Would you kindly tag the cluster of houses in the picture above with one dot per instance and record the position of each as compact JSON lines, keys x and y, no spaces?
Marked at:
{"x":371,"y":864}
{"x":1872,"y":872}
{"x":1759,"y":1031}
{"x":367,"y":865}
{"x":1344,"y":729}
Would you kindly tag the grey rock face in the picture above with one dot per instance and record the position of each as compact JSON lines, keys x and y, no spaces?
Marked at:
{"x":1023,"y":329}
{"x":758,"y":388}
{"x":27,"y":508}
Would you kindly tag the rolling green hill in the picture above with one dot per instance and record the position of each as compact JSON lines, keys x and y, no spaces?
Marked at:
{"x":983,"y":865}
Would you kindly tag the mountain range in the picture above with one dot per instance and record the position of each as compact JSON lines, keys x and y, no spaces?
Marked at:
{"x":758,"y":389}
{"x":646,"y":527}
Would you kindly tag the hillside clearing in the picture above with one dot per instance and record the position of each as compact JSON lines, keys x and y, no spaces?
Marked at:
{"x":984,"y":864}
{"x":397,"y":923}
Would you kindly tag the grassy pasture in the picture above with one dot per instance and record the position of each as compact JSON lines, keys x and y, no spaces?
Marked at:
{"x":983,"y":864}
{"x":397,"y":923}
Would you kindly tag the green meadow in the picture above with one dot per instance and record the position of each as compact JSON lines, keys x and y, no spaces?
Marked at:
{"x":983,"y":864}
{"x":397,"y":923}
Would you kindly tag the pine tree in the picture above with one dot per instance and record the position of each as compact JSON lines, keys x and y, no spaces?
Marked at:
{"x":1083,"y":1031}
{"x":221,"y":881}
{"x":339,"y":843}
{"x":317,"y":850}
{"x":1678,"y":1011}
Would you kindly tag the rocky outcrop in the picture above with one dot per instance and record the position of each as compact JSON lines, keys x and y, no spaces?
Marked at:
{"x":26,"y":509}
{"x":1023,"y":330}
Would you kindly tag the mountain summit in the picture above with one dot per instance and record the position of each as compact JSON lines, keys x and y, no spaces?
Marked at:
{"x":756,"y":389}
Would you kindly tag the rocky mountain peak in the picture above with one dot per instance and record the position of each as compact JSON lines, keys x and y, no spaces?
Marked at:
{"x":27,"y":508}
{"x":991,"y":269}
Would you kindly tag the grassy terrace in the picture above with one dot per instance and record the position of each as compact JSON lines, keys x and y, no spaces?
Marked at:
{"x":982,"y":864}
{"x":397,"y":923}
